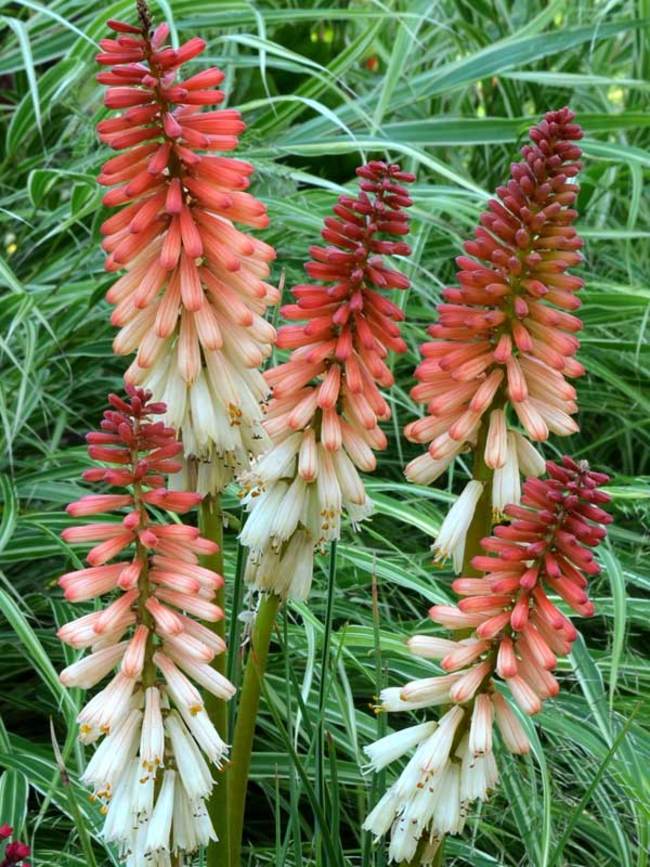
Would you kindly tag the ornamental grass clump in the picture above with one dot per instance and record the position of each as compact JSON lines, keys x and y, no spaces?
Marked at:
{"x":151,"y":768}
{"x":191,"y":303}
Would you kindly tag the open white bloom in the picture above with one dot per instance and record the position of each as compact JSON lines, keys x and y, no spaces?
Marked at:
{"x":531,"y":463}
{"x":450,"y":541}
{"x":506,"y":484}
{"x":152,"y":739}
{"x":192,"y":767}
{"x":191,"y":825}
{"x":296,"y":494}
{"x":106,"y":709}
{"x":113,"y":755}
{"x":288,"y":572}
{"x":451,"y":761}
{"x":393,"y":746}
{"x":157,"y":842}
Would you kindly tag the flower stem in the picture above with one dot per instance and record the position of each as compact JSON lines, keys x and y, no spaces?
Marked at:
{"x":481,"y":525}
{"x":249,"y":698}
{"x":319,"y":769}
{"x":211,"y":525}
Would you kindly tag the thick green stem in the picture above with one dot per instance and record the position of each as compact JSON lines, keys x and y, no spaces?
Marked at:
{"x":249,"y":699}
{"x":416,"y":860}
{"x":211,"y":525}
{"x":439,"y":860}
{"x":319,"y":765}
{"x":481,"y":525}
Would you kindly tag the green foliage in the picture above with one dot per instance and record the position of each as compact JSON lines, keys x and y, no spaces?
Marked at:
{"x":448,"y":88}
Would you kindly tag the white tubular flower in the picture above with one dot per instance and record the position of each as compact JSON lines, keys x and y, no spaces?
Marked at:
{"x":206,"y":735}
{"x":279,"y":462}
{"x":329,"y":496}
{"x":120,"y":810}
{"x":203,"y":826}
{"x":192,"y":767}
{"x":506,"y":484}
{"x":450,"y":541}
{"x":429,"y":646}
{"x":113,"y":755}
{"x":285,"y":520}
{"x":433,"y":690}
{"x":143,"y":795}
{"x":514,"y":737}
{"x":106,"y":709}
{"x":157,"y":840}
{"x":263,"y":509}
{"x":497,"y":440}
{"x":380,"y":819}
{"x":183,"y":830}
{"x":81,"y":633}
{"x":191,"y":825}
{"x":186,"y":696}
{"x":531,"y":463}
{"x":480,"y":733}
{"x":393,"y":746}
{"x":413,"y":776}
{"x":91,"y":669}
{"x":208,"y":677}
{"x":392,"y":701}
{"x":424,"y":469}
{"x":447,"y":818}
{"x":479,"y":774}
{"x":288,"y":572}
{"x":152,"y":740}
{"x":403,"y":842}
{"x":436,"y":752}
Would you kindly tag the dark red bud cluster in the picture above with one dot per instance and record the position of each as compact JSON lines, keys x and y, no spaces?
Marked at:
{"x":338,"y":359}
{"x":353,"y":263}
{"x":16,"y":852}
{"x":546,"y":547}
{"x":509,"y":317}
{"x":129,"y":439}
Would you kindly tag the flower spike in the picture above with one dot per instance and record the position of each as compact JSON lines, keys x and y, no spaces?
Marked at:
{"x":505,"y":336}
{"x":516,"y":632}
{"x":191,"y":303}
{"x":326,"y":405}
{"x":150,"y":715}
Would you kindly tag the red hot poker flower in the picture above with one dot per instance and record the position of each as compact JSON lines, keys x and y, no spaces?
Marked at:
{"x":351,"y":326}
{"x":516,"y":633}
{"x":150,"y":713}
{"x":507,"y":331}
{"x":546,"y":547}
{"x":192,"y":300}
{"x":323,"y":417}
